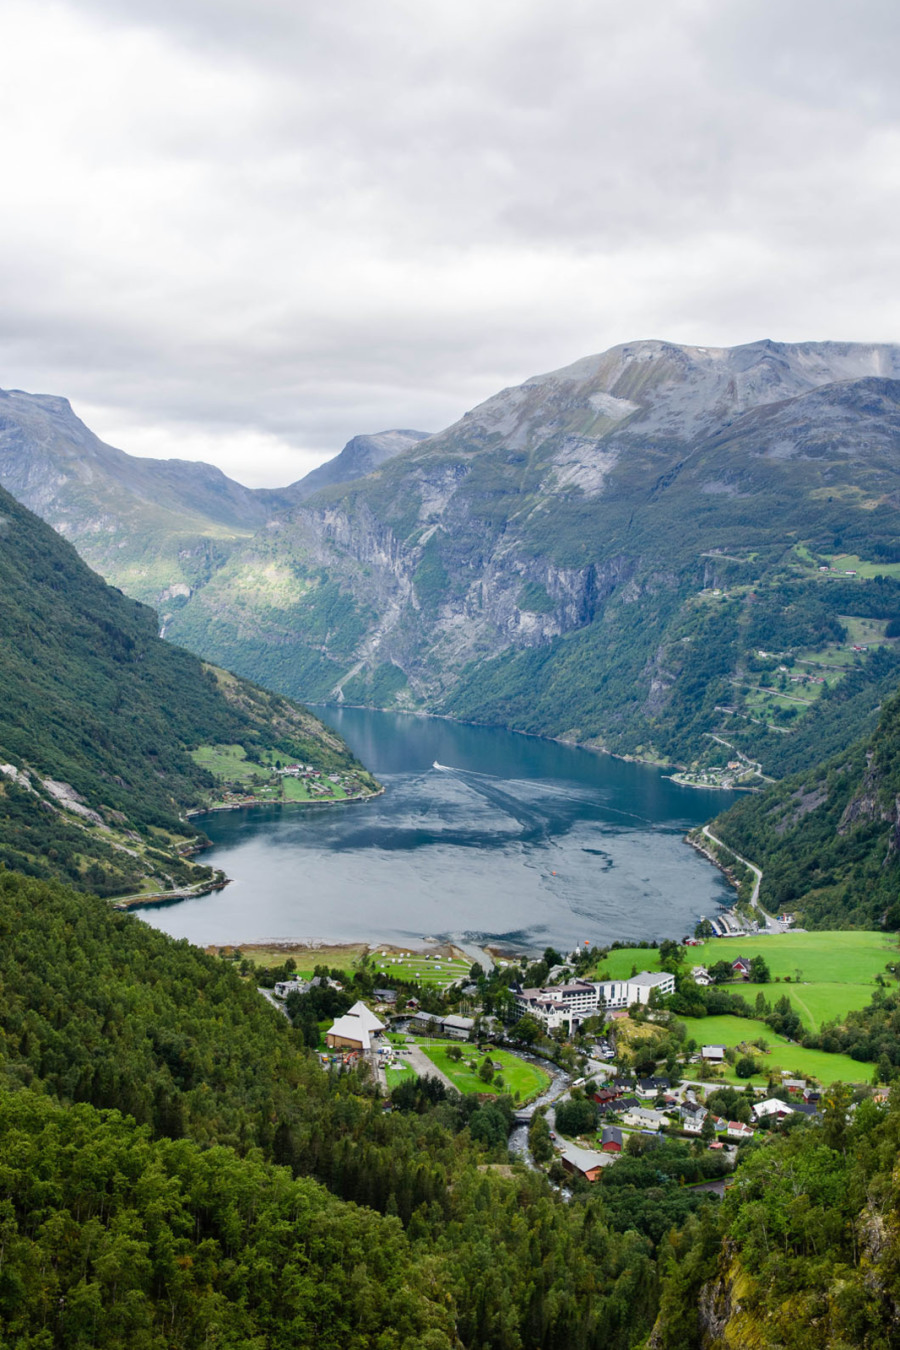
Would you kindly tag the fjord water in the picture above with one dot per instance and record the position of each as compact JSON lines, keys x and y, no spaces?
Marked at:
{"x":512,"y":838}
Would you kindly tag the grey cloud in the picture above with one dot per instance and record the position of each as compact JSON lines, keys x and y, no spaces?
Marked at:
{"x":315,"y":220}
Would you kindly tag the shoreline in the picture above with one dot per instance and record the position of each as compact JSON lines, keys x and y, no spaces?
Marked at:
{"x":515,"y":731}
{"x":124,"y":902}
{"x":250,"y":802}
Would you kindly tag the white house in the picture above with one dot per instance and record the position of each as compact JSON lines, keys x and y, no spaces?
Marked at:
{"x":644,"y":1118}
{"x":737,"y":1130}
{"x":700,"y":975}
{"x":771,"y":1107}
{"x":713,"y":1054}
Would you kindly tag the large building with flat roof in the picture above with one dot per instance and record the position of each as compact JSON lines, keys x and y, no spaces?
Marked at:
{"x":571,"y":1004}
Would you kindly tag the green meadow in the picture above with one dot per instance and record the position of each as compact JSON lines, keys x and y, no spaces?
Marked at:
{"x":782,"y":1054}
{"x":840,"y":958}
{"x":817,"y":1002}
{"x":853,"y":958}
{"x":518,"y":1076}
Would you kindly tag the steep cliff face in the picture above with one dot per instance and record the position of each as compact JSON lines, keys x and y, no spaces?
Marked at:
{"x":599,"y":553}
{"x":580,"y":555}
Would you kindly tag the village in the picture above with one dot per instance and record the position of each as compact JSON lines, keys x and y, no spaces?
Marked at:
{"x":596,"y":1069}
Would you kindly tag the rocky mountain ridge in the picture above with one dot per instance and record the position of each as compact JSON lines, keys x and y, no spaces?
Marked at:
{"x":562,"y":534}
{"x":591,"y":555}
{"x":156,"y":528}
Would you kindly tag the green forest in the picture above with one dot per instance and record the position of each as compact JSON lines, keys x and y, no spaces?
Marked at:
{"x":178,"y":1171}
{"x":95,"y":701}
{"x":827,"y":838}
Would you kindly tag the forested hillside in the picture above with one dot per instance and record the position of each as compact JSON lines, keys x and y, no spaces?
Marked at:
{"x":98,"y":717}
{"x":828,"y":839}
{"x":174,"y":1225}
{"x":179,"y":1172}
{"x":805,"y":1254}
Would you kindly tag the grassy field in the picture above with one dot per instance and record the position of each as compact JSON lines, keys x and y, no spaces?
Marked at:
{"x":816,"y":1002}
{"x":849,"y":562}
{"x":518,"y":1076}
{"x":821,"y":958}
{"x":399,"y":1075}
{"x":343,"y":956}
{"x":782,"y":1054}
{"x":225,"y":761}
{"x":429,"y":970}
{"x":831,"y":958}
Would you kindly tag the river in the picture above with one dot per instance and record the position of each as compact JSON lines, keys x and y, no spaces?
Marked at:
{"x":513,"y":839}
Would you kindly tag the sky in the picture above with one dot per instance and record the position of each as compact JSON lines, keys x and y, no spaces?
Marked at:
{"x":246,"y":230}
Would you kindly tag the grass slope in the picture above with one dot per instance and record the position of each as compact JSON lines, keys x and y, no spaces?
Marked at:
{"x":782,"y":1055}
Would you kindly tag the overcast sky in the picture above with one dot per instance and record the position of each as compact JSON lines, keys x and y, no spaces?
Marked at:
{"x":246,"y":230}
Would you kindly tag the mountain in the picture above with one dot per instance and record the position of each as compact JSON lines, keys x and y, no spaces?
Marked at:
{"x":828,"y":839}
{"x":360,"y":456}
{"x":156,"y":528}
{"x":109,"y":735}
{"x":647,"y":549}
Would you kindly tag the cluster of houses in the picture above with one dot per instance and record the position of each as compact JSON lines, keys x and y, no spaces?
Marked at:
{"x":568,"y":1005}
{"x":627,"y":1101}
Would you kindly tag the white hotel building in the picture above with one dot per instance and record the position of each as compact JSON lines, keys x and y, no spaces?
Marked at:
{"x":571,"y":1004}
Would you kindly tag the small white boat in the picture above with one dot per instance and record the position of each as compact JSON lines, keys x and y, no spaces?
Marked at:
{"x":435,"y":765}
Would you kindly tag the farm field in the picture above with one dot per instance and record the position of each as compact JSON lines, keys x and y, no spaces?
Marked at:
{"x":783,"y":1054}
{"x":849,"y":562}
{"x":831,"y":958}
{"x":518,"y":1076}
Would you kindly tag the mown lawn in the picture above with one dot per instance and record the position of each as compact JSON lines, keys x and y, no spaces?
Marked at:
{"x":398,"y":1075}
{"x":518,"y":1076}
{"x":732,"y":1031}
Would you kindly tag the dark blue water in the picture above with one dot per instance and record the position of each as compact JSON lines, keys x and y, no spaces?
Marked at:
{"x":516,"y":839}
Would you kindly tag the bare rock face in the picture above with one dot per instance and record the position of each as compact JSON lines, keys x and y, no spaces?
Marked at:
{"x":566,"y":505}
{"x":547,"y":561}
{"x":360,"y":456}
